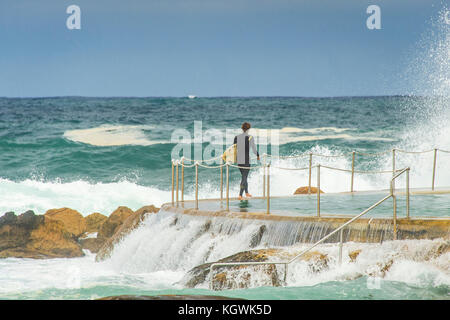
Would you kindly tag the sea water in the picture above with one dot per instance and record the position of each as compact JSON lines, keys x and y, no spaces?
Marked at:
{"x":95,"y":154}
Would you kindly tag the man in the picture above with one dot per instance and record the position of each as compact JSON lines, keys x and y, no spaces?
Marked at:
{"x":243,"y":144}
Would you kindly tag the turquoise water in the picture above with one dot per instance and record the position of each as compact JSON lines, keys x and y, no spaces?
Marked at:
{"x":95,"y":154}
{"x":430,"y":205}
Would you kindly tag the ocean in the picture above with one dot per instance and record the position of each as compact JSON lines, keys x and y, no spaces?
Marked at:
{"x":95,"y":154}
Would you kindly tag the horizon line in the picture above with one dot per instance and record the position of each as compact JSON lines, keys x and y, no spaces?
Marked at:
{"x":209,"y":97}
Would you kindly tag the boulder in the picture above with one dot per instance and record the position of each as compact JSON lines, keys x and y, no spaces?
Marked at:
{"x":94,"y":221}
{"x":115,"y":219}
{"x":72,"y":220}
{"x":36,"y":236}
{"x":15,"y":230}
{"x":234,"y":277}
{"x":53,"y":240}
{"x":91,"y":244}
{"x":238,"y":276}
{"x":122,"y":230}
{"x":304,"y":190}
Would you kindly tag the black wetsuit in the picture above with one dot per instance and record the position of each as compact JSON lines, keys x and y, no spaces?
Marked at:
{"x":244,"y":143}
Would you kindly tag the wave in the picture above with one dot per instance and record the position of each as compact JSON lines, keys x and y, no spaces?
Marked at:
{"x":112,"y":135}
{"x":80,"y":195}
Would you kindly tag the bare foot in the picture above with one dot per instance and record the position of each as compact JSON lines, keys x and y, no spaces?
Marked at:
{"x":248,"y":195}
{"x":240,"y":198}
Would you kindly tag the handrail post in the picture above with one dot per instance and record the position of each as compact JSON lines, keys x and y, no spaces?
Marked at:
{"x":310,"y":169}
{"x":264,"y":175}
{"x":173,"y":181}
{"x":393,"y":168}
{"x":268,"y":188}
{"x":196,"y":185}
{"x":434,"y":169}
{"x":407,"y":193}
{"x":177,"y":173}
{"x":394,"y":199}
{"x":221,"y":180}
{"x":182,"y":179}
{"x":353,"y":170}
{"x":341,"y":238}
{"x":228,"y":186}
{"x":318,"y":190}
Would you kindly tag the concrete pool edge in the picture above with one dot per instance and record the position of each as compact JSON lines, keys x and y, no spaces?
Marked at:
{"x":362,"y":230}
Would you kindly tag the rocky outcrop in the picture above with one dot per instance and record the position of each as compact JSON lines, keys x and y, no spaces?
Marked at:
{"x":94,"y":221}
{"x":122,"y":230}
{"x":65,"y":232}
{"x":72,"y":220}
{"x":234,"y":277}
{"x":304,"y":190}
{"x":36,"y":236}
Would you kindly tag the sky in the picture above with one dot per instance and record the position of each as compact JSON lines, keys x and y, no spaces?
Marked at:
{"x":309,"y":48}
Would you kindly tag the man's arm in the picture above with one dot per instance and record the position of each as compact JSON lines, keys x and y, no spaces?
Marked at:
{"x":253,"y":146}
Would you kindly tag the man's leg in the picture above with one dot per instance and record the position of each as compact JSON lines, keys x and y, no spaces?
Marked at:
{"x":243,"y":181}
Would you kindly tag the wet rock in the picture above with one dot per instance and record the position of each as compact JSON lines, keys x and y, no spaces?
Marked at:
{"x":234,"y":277}
{"x":354,"y":254}
{"x":238,"y":276}
{"x":317,"y":261}
{"x":72,"y":220}
{"x":91,"y":244}
{"x":36,"y":236}
{"x":129,"y":224}
{"x":94,"y":221}
{"x":304,"y":190}
{"x":54,"y":241}
{"x":114,"y":221}
{"x":380,"y":269}
{"x":256,"y":238}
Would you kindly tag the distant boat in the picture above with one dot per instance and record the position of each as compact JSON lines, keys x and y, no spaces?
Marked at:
{"x":191,"y":96}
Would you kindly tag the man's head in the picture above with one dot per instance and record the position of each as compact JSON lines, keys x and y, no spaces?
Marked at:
{"x":246,"y":126}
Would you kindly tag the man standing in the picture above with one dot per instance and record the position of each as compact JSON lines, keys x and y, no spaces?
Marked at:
{"x":243,"y":144}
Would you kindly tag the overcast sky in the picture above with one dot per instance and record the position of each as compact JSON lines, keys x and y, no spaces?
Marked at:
{"x":209,"y":47}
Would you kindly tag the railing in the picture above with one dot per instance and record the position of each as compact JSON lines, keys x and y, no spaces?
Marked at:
{"x":266,"y":180}
{"x":266,"y":176}
{"x":340,"y":229}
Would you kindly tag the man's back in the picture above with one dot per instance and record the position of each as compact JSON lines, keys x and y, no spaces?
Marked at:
{"x":243,"y":144}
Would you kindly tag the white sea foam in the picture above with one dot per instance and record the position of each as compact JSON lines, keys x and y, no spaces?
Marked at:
{"x":82,"y":196}
{"x":164,"y":242}
{"x":112,"y":135}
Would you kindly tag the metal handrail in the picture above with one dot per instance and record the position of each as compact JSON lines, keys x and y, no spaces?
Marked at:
{"x":340,"y":229}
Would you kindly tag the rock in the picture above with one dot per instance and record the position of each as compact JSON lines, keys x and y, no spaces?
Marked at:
{"x":128,"y":225}
{"x":380,"y":269}
{"x":36,"y":236}
{"x":73,"y":220}
{"x":92,"y":244}
{"x":354,"y":254}
{"x":234,"y":277}
{"x":115,"y":219}
{"x":222,"y":280}
{"x":317,"y":261}
{"x":15,"y":230}
{"x":53,"y":240}
{"x":304,"y":190}
{"x":169,"y":297}
{"x":94,"y":221}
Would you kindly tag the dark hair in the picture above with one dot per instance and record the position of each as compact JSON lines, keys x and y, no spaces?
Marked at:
{"x":246,"y":126}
